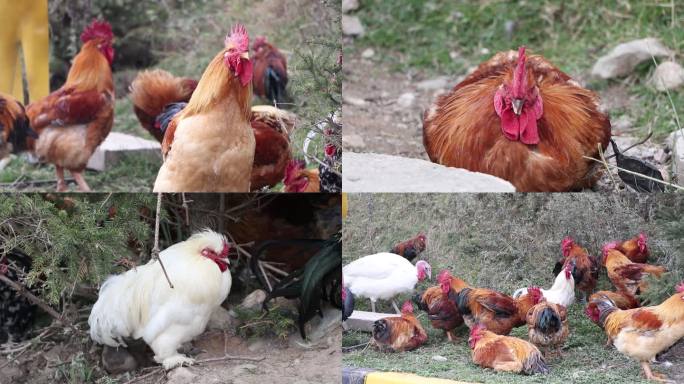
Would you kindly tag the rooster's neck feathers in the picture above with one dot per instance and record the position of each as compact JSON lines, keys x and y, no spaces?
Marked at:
{"x":90,"y":70}
{"x":216,"y":86}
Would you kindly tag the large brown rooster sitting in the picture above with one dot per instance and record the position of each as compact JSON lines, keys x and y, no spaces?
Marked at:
{"x":522,"y":119}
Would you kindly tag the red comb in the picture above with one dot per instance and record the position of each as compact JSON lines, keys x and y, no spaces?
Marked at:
{"x":519,"y":75}
{"x":97,"y":29}
{"x":238,"y":38}
{"x":680,"y":287}
{"x":407,"y":307}
{"x":292,"y":167}
{"x":443,"y":276}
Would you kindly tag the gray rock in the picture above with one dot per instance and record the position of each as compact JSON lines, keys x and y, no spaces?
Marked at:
{"x":676,"y":143}
{"x":118,"y":146}
{"x":433,"y":84}
{"x":372,"y":172}
{"x":351,"y":26}
{"x":221,"y":320}
{"x":406,"y":100}
{"x":254,"y":300}
{"x":353,"y":141}
{"x":367,"y":53}
{"x":118,"y":360}
{"x":439,"y":358}
{"x":355,"y":101}
{"x":622,"y":59}
{"x":181,"y":375}
{"x":349,"y":5}
{"x":667,"y":75}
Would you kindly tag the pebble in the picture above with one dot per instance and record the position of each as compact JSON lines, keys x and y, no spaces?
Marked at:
{"x":406,"y":100}
{"x":439,"y":358}
{"x":367,"y":53}
{"x":351,"y":26}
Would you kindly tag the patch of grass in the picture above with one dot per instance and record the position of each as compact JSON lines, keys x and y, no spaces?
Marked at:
{"x":278,"y":322}
{"x":506,"y":242}
{"x":447,"y":37}
{"x":77,"y":371}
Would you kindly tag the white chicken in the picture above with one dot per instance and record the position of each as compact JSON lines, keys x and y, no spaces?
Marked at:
{"x":140,"y":303}
{"x":563,"y":290}
{"x":383,"y":276}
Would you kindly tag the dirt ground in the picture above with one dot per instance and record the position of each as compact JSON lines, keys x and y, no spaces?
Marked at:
{"x":383,"y":113}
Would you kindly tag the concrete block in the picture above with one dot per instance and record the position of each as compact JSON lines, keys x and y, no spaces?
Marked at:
{"x":117,"y":146}
{"x":372,"y":172}
{"x":676,"y":144}
{"x":363,"y":321}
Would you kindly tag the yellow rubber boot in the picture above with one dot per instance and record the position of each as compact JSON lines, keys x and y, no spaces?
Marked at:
{"x":24,"y":24}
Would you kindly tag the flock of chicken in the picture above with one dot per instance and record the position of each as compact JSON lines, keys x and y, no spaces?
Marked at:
{"x":636,"y":331}
{"x":212,"y":139}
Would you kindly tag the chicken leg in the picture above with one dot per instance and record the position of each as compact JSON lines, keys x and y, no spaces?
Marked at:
{"x":82,"y":185}
{"x":61,"y":184}
{"x":650,"y":375}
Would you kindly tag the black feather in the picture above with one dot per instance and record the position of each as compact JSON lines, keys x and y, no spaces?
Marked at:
{"x":418,"y":301}
{"x":170,"y":111}
{"x":633,"y":164}
{"x":16,"y":312}
{"x":274,"y":85}
{"x":548,"y":321}
{"x":381,"y":331}
{"x":347,"y":305}
{"x":462,"y":301}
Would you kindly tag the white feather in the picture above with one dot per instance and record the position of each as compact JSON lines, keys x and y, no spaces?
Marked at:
{"x":562,"y":292}
{"x":140,"y":304}
{"x":380,"y":276}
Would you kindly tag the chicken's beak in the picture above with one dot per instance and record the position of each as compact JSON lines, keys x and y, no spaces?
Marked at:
{"x":245,"y":55}
{"x":517,"y":106}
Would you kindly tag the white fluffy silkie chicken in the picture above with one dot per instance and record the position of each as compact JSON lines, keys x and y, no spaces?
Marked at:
{"x":140,"y":304}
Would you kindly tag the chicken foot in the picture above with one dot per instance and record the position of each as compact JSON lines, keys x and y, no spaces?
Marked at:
{"x":61,"y":184}
{"x":82,"y":185}
{"x":650,"y":375}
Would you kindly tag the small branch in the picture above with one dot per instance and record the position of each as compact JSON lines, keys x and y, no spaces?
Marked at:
{"x":605,"y":163}
{"x":186,"y":209}
{"x":229,"y":357}
{"x":31,"y":297}
{"x":154,"y":372}
{"x":155,"y":250}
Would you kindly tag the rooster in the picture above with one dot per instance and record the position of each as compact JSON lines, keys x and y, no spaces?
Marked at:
{"x":624,"y":274}
{"x":272,"y":127}
{"x":522,"y":119}
{"x":398,"y":334}
{"x":410,"y":248}
{"x":547,"y":325}
{"x":586,"y":267}
{"x":635,"y":248}
{"x":157,"y":93}
{"x":622,"y":300}
{"x":505,"y":353}
{"x":74,"y":120}
{"x":158,"y":97}
{"x":209,"y":146}
{"x":494,"y":310}
{"x":642,"y":333}
{"x":16,"y":312}
{"x":270,"y":71}
{"x":141,"y":304}
{"x":384,"y":276}
{"x":442,"y":312}
{"x":15,"y":131}
{"x":562,"y":291}
{"x":300,"y":179}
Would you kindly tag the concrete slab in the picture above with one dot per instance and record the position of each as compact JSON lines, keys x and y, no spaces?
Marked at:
{"x":372,"y":172}
{"x":363,"y":321}
{"x":118,"y":146}
{"x":676,"y":144}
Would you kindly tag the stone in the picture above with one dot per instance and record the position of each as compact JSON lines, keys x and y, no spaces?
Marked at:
{"x":676,"y":143}
{"x":406,"y":100}
{"x":118,"y":360}
{"x":349,"y":5}
{"x":372,"y":172}
{"x":622,"y":59}
{"x":118,"y":146}
{"x":367,"y":53}
{"x":667,"y":75}
{"x":355,"y":101}
{"x":433,"y":84}
{"x":351,"y":26}
{"x":439,"y":358}
{"x":353,"y":141}
{"x":221,"y":320}
{"x":254,"y":300}
{"x":181,"y":375}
